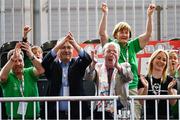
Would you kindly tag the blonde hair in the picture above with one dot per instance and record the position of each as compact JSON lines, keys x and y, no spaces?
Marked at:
{"x":173,"y":51}
{"x":172,"y":72}
{"x":121,"y":26}
{"x":36,"y":48}
{"x":150,"y":65}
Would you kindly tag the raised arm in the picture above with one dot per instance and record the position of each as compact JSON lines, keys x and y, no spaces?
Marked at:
{"x":36,"y":62}
{"x":103,"y":24}
{"x":145,"y":37}
{"x":60,"y":43}
{"x":27,"y":29}
{"x":8,"y":66}
{"x":90,"y":73}
{"x":73,"y":42}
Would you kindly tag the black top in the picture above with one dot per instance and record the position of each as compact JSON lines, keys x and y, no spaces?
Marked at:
{"x":156,"y":88}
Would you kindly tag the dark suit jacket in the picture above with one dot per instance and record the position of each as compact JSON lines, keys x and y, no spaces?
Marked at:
{"x":53,"y":72}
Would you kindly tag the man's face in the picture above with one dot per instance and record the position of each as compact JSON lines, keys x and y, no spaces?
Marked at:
{"x":66,"y":52}
{"x":109,"y":55}
{"x":123,"y":36}
{"x":18,"y":65}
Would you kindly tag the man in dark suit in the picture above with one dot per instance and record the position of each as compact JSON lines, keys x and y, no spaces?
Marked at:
{"x":65,"y":75}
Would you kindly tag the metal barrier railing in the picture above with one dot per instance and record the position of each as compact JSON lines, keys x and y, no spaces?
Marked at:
{"x":118,"y":114}
{"x":60,"y":98}
{"x":156,"y":98}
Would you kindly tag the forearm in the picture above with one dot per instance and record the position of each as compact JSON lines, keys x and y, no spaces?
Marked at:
{"x":103,"y":25}
{"x":56,"y":49}
{"x":144,"y":91}
{"x":144,"y":38}
{"x":6,"y":69}
{"x":103,"y":29}
{"x":149,"y":27}
{"x":37,"y":64}
{"x":77,"y":47}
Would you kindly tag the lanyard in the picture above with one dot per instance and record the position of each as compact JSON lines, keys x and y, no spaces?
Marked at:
{"x":22,"y":87}
{"x":127,"y":54}
{"x":155,"y":85}
{"x":126,"y":59}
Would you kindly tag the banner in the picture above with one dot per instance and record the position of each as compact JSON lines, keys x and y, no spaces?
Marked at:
{"x":143,"y":55}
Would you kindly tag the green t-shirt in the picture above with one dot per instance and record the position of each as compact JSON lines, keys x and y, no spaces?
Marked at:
{"x":14,"y":87}
{"x":133,"y":47}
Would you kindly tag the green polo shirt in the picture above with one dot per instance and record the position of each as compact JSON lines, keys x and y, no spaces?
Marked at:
{"x":12,"y":88}
{"x":133,"y":48}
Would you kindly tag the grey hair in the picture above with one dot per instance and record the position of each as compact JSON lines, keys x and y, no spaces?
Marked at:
{"x":111,"y":43}
{"x":10,"y":53}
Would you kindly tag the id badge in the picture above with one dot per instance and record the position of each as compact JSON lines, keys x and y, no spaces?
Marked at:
{"x":22,"y":108}
{"x":66,"y":91}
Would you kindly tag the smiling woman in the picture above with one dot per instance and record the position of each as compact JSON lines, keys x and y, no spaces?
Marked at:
{"x":157,"y":82}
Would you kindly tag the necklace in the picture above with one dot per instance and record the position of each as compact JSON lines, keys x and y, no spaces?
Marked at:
{"x":156,"y":87}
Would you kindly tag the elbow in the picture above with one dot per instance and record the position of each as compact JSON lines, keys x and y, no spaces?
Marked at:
{"x":102,"y":33}
{"x":3,"y":78}
{"x":148,"y":36}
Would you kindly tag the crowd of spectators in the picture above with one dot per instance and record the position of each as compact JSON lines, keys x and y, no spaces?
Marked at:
{"x":116,"y":75}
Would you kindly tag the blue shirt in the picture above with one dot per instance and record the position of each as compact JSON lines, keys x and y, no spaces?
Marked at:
{"x":63,"y":105}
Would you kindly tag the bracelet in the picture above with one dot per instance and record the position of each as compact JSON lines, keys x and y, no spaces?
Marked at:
{"x":32,"y":58}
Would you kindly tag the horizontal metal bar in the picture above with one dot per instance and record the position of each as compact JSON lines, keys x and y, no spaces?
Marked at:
{"x":86,"y":98}
{"x":55,"y":98}
{"x":154,"y":97}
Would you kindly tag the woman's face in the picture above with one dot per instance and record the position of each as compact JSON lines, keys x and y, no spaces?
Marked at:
{"x":173,"y":59}
{"x":123,"y":36}
{"x":159,"y":62}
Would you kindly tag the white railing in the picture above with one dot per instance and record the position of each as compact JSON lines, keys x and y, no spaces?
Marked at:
{"x":117,"y":114}
{"x":64,"y":98}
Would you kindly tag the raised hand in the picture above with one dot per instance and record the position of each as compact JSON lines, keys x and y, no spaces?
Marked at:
{"x":104,"y":8}
{"x":151,"y":9}
{"x":27,"y":29}
{"x":144,"y":81}
{"x":71,"y":39}
{"x":73,"y":42}
{"x":17,"y":51}
{"x":171,"y":84}
{"x":94,"y":56}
